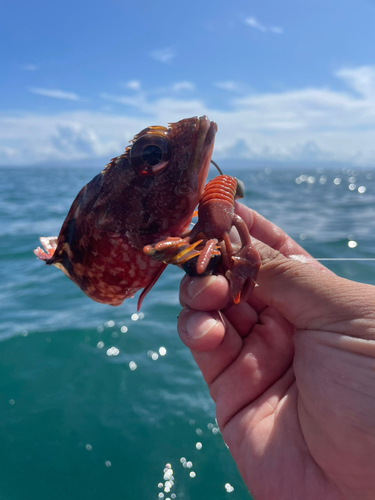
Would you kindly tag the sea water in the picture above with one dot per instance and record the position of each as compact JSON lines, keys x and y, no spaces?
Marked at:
{"x":103,"y":403}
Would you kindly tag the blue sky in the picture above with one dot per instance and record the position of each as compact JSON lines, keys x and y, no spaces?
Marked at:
{"x":285,"y":81}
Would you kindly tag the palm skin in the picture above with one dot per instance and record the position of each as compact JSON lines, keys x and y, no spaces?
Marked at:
{"x":292,"y":372}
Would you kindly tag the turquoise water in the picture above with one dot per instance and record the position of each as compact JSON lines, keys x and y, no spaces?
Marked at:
{"x":96,"y":403}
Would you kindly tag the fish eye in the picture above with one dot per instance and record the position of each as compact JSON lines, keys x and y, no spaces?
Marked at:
{"x":150,"y":154}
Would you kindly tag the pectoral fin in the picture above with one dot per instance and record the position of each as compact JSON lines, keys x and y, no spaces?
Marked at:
{"x":49,"y":244}
{"x":150,"y":285}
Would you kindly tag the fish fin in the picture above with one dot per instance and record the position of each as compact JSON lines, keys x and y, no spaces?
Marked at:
{"x":49,"y":244}
{"x":150,"y":285}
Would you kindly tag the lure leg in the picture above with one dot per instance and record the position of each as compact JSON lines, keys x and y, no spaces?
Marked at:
{"x":243,"y":273}
{"x":173,"y":250}
{"x":205,"y":255}
{"x":243,"y":270}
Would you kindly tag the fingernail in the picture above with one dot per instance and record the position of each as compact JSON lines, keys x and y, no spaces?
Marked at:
{"x":199,"y":324}
{"x":234,"y":236}
{"x":196,"y":286}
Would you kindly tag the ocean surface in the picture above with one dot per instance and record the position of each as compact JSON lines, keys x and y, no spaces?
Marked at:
{"x":100,"y":403}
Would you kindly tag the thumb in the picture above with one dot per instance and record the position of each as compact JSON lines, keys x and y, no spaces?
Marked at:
{"x":310,"y":296}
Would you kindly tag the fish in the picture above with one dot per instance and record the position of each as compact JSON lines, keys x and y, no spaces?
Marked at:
{"x":144,"y":196}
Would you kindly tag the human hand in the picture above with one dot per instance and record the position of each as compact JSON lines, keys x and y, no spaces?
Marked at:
{"x":292,"y":372}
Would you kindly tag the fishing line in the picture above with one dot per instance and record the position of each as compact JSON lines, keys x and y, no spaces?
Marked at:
{"x":217,"y":166}
{"x":339,"y":258}
{"x":320,"y":258}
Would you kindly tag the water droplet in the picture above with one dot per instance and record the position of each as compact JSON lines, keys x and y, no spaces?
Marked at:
{"x":108,"y":463}
{"x":192,"y":474}
{"x":182,"y":460}
{"x":100,"y":345}
{"x":124,"y":329}
{"x":229,"y":488}
{"x":154,"y":356}
{"x":99,"y":329}
{"x":134,"y":317}
{"x":133,"y":365}
{"x":311,"y":179}
{"x":352,"y":244}
{"x":113,"y":351}
{"x":323,"y":179}
{"x":198,"y":445}
{"x":199,"y":432}
{"x":162,"y":351}
{"x":337,"y":181}
{"x":25,"y":333}
{"x":109,"y":324}
{"x":11,"y":402}
{"x":302,"y":236}
{"x":88,"y":447}
{"x":361,"y":189}
{"x":352,"y":187}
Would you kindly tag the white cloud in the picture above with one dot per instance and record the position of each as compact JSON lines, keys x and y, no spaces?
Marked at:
{"x":74,"y":138}
{"x":254,"y":23}
{"x":276,"y":29}
{"x":178,"y":86}
{"x":251,"y":21}
{"x":142,"y":100}
{"x":136,"y":100}
{"x":30,"y":67}
{"x":228,"y":85}
{"x":361,"y":79}
{"x":164,"y":56}
{"x":36,"y":138}
{"x":133,"y":85}
{"x":308,"y":123}
{"x":165,"y":109}
{"x":55,"y":93}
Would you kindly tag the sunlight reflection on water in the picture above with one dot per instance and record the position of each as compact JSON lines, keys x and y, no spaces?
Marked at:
{"x":119,"y":385}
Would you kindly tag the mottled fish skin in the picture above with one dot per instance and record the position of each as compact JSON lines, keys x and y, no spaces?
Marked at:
{"x":120,"y":211}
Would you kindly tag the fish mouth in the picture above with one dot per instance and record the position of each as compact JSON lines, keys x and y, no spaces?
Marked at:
{"x":190,"y":185}
{"x":203,"y":151}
